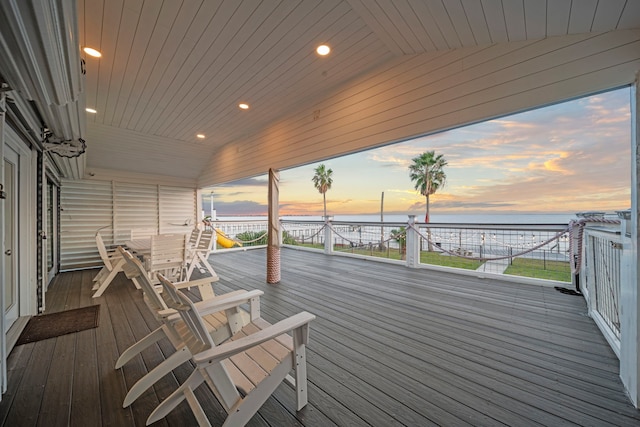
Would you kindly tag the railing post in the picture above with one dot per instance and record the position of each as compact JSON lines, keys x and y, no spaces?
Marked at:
{"x":214,"y":247}
{"x":412,"y":244}
{"x":328,"y":235}
{"x":629,"y":308}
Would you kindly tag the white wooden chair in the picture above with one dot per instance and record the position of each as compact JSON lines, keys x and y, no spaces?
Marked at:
{"x":242,"y":372}
{"x":222,"y":319}
{"x":194,"y":236}
{"x":112,"y":265}
{"x":143,"y":233}
{"x":167,"y":256}
{"x":199,"y":254}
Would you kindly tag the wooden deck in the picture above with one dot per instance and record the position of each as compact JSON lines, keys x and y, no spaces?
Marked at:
{"x":390,"y":346}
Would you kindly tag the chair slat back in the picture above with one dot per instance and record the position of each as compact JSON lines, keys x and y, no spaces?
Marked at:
{"x":167,"y":252}
{"x":199,"y":338}
{"x":134,"y":269}
{"x":194,"y":237}
{"x":143,"y":233}
{"x":205,"y":243}
{"x":102,"y":250}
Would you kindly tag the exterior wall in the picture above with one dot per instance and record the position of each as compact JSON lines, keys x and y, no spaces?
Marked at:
{"x":25,"y":244}
{"x":117,"y":207}
{"x":630,"y":286}
{"x":421,"y":94}
{"x":3,"y":337}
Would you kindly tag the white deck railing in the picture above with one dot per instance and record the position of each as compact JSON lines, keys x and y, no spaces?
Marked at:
{"x":538,"y":251}
{"x":600,"y":279}
{"x":535,"y":251}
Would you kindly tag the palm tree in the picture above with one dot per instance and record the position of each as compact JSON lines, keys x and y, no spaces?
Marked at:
{"x":428,"y":175}
{"x":400,"y":236}
{"x":322,"y":180}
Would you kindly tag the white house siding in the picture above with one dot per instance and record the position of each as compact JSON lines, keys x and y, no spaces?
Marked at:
{"x":426,"y":93}
{"x":86,"y":207}
{"x":91,"y":205}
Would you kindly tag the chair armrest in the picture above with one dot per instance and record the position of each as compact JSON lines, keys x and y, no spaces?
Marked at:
{"x":226,"y":301}
{"x":230,"y":348}
{"x":168,"y":313}
{"x":203,"y":306}
{"x":213,"y":305}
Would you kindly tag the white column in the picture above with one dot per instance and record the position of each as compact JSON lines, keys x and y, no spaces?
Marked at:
{"x":630,"y":281}
{"x":412,"y":244}
{"x":328,"y":235}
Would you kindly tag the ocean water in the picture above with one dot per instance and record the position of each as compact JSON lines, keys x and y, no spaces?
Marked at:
{"x":435,"y":218}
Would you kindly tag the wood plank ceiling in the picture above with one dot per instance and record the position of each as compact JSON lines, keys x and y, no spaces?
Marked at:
{"x":176,"y":68}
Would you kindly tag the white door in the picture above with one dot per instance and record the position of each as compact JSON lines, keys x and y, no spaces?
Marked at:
{"x":11,"y":292}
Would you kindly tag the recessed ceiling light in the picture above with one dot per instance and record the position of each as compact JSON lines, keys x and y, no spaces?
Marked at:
{"x":323,"y":49}
{"x":201,"y":136}
{"x":92,"y":52}
{"x":243,"y":106}
{"x":90,"y":110}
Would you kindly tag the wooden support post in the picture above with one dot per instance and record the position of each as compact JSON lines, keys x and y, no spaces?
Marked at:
{"x":274,"y":235}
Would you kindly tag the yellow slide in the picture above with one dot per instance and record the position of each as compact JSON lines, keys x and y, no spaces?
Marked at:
{"x":224,"y":241}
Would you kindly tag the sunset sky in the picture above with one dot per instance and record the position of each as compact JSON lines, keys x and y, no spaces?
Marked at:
{"x":569,"y":157}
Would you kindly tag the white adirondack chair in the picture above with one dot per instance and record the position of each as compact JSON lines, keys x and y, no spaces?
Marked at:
{"x":222,"y":315}
{"x":194,"y":236}
{"x":143,"y":233}
{"x":167,"y":256}
{"x":112,"y":265}
{"x":244,"y":371}
{"x":199,"y":254}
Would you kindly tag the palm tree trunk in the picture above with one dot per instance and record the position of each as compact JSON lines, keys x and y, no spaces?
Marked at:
{"x":324,"y":200}
{"x":426,"y":220}
{"x":426,"y":216}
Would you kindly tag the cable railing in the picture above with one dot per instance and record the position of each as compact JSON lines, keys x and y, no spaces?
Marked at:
{"x":538,"y":251}
{"x":238,"y":234}
{"x":601,"y":280}
{"x":604,"y":255}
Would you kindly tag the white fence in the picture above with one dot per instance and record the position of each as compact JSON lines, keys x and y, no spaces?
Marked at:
{"x":600,"y":279}
{"x":538,"y":251}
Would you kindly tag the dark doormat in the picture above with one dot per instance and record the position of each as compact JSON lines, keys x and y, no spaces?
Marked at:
{"x":55,"y":324}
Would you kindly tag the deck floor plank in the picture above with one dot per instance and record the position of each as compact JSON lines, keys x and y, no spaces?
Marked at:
{"x":402,"y":369}
{"x":334,"y":293}
{"x":17,"y":365}
{"x":56,"y":401}
{"x":26,"y":404}
{"x":124,"y":331}
{"x":85,"y":408}
{"x":390,"y":346}
{"x":439,"y":336}
{"x":112,"y":387}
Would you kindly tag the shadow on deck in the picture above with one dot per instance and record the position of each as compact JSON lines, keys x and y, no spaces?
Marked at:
{"x":390,"y":346}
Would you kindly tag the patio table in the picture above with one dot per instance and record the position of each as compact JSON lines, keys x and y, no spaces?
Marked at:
{"x":140,"y":246}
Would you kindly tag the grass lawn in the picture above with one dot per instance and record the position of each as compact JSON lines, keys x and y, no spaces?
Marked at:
{"x":433,"y":258}
{"x":436,"y":258}
{"x":526,"y":267}
{"x":311,"y":245}
{"x":540,"y":269}
{"x":390,"y":254}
